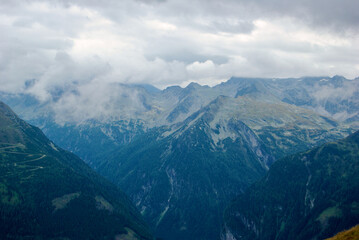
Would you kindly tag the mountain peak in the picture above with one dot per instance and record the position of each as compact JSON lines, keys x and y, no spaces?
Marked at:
{"x":6,"y":110}
{"x":148,"y":87}
{"x":194,"y":85}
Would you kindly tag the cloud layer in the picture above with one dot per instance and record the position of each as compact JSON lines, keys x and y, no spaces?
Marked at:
{"x":51,"y":45}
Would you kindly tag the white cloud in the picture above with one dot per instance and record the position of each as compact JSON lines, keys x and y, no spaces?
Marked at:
{"x":61,"y":44}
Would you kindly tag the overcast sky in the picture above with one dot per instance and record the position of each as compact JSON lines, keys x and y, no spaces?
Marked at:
{"x":52,"y":44}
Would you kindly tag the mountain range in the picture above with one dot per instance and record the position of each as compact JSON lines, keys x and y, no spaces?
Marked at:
{"x":199,"y":165}
{"x":129,"y":110}
{"x":182,"y":154}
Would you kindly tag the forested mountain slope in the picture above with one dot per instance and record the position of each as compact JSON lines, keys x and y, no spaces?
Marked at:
{"x":310,"y":195}
{"x":48,"y":193}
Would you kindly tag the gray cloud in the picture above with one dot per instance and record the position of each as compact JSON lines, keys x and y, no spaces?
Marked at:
{"x":330,"y":13}
{"x":337,"y":15}
{"x":83,"y":45}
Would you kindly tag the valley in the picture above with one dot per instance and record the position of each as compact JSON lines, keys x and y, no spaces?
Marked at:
{"x":183,"y":154}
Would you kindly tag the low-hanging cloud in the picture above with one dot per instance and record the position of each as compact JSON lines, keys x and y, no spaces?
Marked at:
{"x":94,"y":100}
